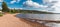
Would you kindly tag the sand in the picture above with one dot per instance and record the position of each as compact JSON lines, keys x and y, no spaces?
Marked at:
{"x":9,"y":20}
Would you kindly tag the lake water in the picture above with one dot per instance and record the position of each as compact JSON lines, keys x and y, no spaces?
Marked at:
{"x":53,"y":17}
{"x":53,"y":24}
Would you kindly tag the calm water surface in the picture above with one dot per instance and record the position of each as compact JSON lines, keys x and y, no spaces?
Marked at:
{"x":54,"y":17}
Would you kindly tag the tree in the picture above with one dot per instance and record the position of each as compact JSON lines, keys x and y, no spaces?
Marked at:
{"x":14,"y":10}
{"x":5,"y":7}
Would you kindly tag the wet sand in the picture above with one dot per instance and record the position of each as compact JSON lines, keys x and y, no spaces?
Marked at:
{"x":9,"y":20}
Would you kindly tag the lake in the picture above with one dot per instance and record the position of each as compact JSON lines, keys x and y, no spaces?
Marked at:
{"x":54,"y":17}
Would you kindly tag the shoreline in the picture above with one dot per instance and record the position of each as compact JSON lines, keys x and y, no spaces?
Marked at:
{"x":9,"y":20}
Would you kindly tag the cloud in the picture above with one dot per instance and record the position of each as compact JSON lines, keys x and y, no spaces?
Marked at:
{"x":1,"y":0}
{"x":49,"y":5}
{"x":49,"y":1}
{"x":30,"y":3}
{"x":15,"y":1}
{"x":57,"y":6}
{"x":18,"y":1}
{"x":53,"y":4}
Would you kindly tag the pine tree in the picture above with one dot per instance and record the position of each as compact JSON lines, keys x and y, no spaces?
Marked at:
{"x":5,"y":7}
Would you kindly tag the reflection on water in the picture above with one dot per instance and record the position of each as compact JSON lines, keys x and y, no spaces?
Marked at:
{"x":55,"y":17}
{"x":53,"y":24}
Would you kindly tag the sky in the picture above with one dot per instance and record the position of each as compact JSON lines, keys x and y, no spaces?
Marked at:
{"x":18,"y":3}
{"x":39,"y":5}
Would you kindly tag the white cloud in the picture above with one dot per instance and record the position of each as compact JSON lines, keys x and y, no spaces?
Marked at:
{"x":55,"y":5}
{"x":21,"y":8}
{"x":14,"y":8}
{"x":30,"y":3}
{"x":15,"y":1}
{"x":1,"y":0}
{"x":49,"y":1}
{"x":51,"y":5}
{"x":18,"y":1}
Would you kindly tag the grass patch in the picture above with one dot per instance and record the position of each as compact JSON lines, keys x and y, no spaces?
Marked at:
{"x":1,"y":14}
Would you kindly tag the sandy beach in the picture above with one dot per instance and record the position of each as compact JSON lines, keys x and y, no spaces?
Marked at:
{"x":9,"y":20}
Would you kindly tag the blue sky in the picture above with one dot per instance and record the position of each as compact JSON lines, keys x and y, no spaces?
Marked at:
{"x":14,"y":5}
{"x":17,"y":4}
{"x":39,"y":5}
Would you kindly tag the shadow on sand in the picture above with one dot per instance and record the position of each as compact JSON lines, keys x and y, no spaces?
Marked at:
{"x":34,"y":24}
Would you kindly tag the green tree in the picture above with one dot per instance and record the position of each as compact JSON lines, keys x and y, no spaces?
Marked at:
{"x":5,"y":7}
{"x":14,"y":10}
